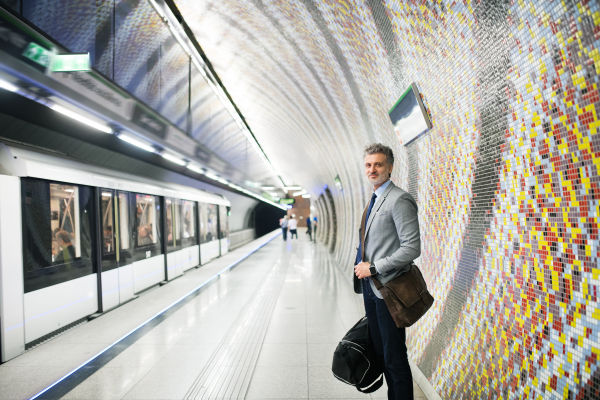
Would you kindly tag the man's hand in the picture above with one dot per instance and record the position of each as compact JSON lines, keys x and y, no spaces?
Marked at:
{"x":362,"y":270}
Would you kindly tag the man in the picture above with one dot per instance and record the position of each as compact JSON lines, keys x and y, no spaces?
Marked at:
{"x":391,"y":242}
{"x":284,"y":227}
{"x":308,"y":229}
{"x":67,"y":252}
{"x":314,"y":228}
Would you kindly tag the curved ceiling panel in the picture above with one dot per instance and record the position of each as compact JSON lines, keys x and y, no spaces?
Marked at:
{"x":311,"y":80}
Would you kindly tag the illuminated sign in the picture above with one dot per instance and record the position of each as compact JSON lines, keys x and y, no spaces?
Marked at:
{"x":70,"y":62}
{"x":338,"y":182}
{"x":409,"y":116}
{"x":286,"y":201}
{"x":37,"y":54}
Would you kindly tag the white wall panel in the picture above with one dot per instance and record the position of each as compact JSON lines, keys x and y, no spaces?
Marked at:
{"x":110,"y":289}
{"x":11,"y":269}
{"x":51,"y":308}
{"x":171,"y":274}
{"x":209,"y":250}
{"x":125,"y":283}
{"x":148,"y":272}
{"x":191,"y":257}
{"x":224,"y":245}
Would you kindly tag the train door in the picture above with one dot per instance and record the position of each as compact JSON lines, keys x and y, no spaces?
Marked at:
{"x":146,"y":241}
{"x":224,"y":229}
{"x":108,"y":253}
{"x":189,"y":234}
{"x":209,"y":239}
{"x":174,"y":236}
{"x":123,"y":242}
{"x":117,"y":271}
{"x":59,"y":253}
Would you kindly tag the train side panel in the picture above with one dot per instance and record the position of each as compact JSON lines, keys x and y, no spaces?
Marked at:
{"x":11,"y":269}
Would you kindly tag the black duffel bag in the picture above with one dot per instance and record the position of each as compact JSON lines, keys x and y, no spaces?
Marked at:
{"x":355,"y":361}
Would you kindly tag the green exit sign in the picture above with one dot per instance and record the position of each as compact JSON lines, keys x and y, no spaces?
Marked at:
{"x":286,"y":201}
{"x":37,"y":54}
{"x":70,"y":62}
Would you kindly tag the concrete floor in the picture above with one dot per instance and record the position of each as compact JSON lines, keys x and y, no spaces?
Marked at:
{"x":265,"y":330}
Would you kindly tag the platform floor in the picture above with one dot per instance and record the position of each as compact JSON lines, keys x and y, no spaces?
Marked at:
{"x":266,"y":329}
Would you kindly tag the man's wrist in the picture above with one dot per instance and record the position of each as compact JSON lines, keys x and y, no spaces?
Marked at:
{"x":373,"y":270}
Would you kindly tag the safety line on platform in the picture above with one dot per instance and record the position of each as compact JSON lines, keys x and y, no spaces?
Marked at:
{"x":56,"y":391}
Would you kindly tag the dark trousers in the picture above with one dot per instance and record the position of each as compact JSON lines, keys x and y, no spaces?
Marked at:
{"x":309,"y":233}
{"x":314,"y":232}
{"x":284,"y":230}
{"x":294,"y":232}
{"x":390,"y":345}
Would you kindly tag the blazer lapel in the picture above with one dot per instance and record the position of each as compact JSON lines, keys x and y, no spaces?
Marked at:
{"x":377,"y":206}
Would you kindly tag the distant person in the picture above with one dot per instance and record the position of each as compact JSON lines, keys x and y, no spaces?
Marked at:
{"x":308,"y":229}
{"x":67,"y":252}
{"x":284,"y":227}
{"x":293,"y":225}
{"x":314,"y":228}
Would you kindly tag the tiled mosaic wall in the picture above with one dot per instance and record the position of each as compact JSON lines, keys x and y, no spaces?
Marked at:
{"x":506,"y":180}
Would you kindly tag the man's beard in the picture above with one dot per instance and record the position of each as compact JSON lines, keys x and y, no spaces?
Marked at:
{"x":378,"y":181}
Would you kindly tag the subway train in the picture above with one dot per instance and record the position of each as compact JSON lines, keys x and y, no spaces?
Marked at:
{"x":78,"y":240}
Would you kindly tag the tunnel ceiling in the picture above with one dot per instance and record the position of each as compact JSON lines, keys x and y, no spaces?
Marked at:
{"x":313,"y":80}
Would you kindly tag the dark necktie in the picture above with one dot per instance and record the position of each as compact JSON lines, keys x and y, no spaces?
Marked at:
{"x":359,"y":253}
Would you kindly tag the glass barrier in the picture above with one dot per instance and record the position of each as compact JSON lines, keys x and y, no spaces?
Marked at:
{"x":174,"y":83}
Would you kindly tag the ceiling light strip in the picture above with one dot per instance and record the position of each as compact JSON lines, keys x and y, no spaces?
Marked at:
{"x":81,"y":118}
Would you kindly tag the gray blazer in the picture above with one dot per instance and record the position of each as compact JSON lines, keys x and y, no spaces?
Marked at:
{"x":392,"y":239}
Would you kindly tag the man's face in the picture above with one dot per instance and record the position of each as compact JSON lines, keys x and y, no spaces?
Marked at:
{"x":377,"y":169}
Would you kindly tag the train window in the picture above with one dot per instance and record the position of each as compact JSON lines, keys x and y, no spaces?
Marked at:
{"x":173,"y":210}
{"x":57,"y":232}
{"x":208,"y":223}
{"x":146,"y":219}
{"x":106,"y":214}
{"x":64,"y":211}
{"x":123,"y":221}
{"x":223,"y":222}
{"x":189,"y":219}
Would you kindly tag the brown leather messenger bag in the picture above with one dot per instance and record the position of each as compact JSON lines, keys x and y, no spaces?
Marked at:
{"x":406,"y":296}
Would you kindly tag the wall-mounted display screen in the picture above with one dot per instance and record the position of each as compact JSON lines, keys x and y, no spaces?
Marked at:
{"x":409,"y":116}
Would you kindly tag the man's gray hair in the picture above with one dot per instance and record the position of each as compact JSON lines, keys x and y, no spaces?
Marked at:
{"x":375,"y":148}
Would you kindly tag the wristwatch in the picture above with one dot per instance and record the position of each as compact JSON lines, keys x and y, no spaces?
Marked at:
{"x":373,"y":270}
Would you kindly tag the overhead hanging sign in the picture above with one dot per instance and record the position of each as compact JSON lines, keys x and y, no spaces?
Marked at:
{"x":338,"y":182}
{"x":286,"y":201}
{"x":409,"y":116}
{"x":70,"y":62}
{"x":96,"y":89}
